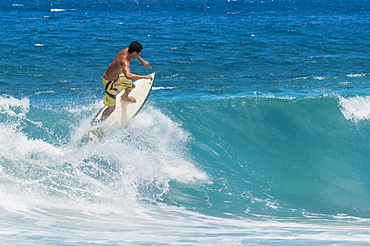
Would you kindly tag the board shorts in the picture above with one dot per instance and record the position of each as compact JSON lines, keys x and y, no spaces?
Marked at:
{"x":112,"y":87}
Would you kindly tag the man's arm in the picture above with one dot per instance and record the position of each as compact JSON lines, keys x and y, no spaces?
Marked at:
{"x":145,"y":63}
{"x":126,"y":70}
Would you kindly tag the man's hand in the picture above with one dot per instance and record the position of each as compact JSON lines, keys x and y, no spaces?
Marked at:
{"x":149,"y":77}
{"x":147,"y":64}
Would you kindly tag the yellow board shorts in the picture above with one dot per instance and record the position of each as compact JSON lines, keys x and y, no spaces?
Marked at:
{"x":111,"y":88}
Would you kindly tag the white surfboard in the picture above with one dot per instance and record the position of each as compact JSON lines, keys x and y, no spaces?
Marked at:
{"x":124,"y":110}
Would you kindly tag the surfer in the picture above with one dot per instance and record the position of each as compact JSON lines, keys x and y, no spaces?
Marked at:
{"x":118,"y":77}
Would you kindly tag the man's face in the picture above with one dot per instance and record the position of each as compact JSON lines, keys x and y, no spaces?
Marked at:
{"x":136,"y":54}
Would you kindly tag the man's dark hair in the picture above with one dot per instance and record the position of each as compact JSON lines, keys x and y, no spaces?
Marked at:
{"x":135,"y":46}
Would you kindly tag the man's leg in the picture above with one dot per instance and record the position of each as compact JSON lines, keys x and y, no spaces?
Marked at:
{"x":107,"y":112}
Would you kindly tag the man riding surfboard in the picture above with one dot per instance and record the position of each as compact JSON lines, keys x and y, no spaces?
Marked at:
{"x":118,"y":77}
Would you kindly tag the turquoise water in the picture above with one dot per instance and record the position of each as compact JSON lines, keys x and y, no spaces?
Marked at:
{"x":256,"y":131}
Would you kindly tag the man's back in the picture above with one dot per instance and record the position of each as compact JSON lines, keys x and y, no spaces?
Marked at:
{"x":115,"y":67}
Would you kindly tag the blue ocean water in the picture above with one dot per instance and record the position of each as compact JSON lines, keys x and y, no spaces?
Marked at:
{"x":256,"y":133}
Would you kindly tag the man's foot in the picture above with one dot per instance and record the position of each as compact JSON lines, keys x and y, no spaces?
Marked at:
{"x":129,"y":99}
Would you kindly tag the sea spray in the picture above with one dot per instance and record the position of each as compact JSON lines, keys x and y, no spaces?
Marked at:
{"x":355,"y":108}
{"x":131,"y":164}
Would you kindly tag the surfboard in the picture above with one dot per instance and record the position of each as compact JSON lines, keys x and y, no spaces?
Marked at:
{"x":124,"y":110}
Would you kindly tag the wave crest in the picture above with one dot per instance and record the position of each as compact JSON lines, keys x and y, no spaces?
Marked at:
{"x":355,"y":108}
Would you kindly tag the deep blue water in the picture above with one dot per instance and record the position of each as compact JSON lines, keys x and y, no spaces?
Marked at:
{"x":256,"y":132}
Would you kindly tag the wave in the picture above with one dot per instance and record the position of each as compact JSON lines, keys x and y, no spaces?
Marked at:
{"x":275,"y":156}
{"x":247,"y":157}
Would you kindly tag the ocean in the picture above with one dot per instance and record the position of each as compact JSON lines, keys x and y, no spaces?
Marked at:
{"x":256,"y":132}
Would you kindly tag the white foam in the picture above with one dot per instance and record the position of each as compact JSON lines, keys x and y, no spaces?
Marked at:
{"x":57,"y":10}
{"x":133,"y":163}
{"x":163,"y":88}
{"x":14,"y":107}
{"x":357,"y":75}
{"x":164,"y":142}
{"x":355,"y":108}
{"x":16,"y":146}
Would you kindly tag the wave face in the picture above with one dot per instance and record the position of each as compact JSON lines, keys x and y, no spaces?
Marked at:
{"x":270,"y":155}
